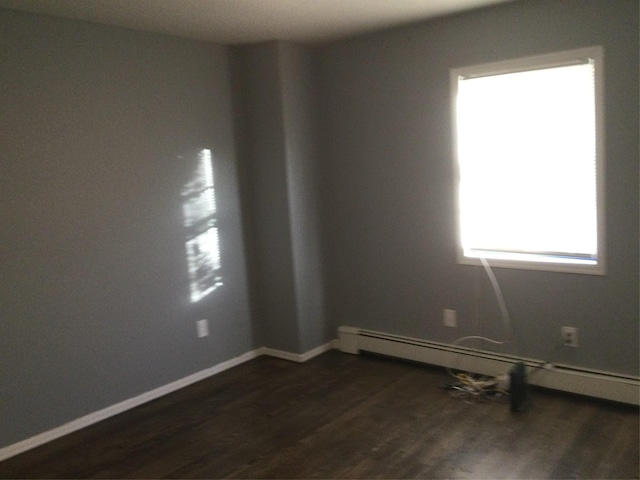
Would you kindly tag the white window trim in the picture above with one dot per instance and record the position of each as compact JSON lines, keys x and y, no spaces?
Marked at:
{"x":533,"y":63}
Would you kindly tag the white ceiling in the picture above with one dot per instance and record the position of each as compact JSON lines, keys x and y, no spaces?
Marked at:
{"x":248,"y":21}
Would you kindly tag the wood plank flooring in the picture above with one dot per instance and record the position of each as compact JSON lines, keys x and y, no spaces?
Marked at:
{"x":343,"y":416}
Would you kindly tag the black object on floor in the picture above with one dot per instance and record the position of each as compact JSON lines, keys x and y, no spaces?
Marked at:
{"x":519,"y":388}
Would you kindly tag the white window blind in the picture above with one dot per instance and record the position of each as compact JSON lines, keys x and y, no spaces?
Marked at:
{"x":528,"y":162}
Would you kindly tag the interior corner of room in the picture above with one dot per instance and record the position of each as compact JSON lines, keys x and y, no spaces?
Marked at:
{"x":172,"y":208}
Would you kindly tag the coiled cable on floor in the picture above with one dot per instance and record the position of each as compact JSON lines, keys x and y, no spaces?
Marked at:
{"x":469,"y":384}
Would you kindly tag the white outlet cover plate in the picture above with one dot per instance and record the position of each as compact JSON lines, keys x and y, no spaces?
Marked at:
{"x":203,"y":328}
{"x":449,"y":317}
{"x":569,"y":336}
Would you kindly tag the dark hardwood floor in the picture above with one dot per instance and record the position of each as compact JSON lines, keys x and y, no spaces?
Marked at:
{"x":343,"y":416}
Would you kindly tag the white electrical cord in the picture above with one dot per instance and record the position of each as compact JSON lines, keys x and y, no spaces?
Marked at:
{"x":471,"y":385}
{"x":476,"y":337}
{"x":471,"y":337}
{"x":498,"y":292}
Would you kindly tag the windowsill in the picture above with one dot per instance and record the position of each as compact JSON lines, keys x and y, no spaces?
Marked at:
{"x":575,"y":268}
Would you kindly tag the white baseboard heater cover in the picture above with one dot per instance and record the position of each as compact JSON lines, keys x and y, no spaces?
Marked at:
{"x":605,"y":385}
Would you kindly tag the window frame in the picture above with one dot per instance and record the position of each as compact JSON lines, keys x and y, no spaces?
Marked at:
{"x":538,"y":62}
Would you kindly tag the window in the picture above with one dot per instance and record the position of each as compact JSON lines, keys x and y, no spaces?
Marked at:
{"x":529,"y":160}
{"x":202,"y":244}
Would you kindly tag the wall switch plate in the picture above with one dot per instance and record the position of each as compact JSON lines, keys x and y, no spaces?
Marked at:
{"x":449,"y":318}
{"x":203,"y":328}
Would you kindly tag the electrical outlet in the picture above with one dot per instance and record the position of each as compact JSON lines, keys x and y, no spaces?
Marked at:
{"x":203,"y":328}
{"x":569,"y":336}
{"x":449,"y":318}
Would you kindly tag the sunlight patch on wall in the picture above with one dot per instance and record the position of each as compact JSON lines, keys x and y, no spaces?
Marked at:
{"x":202,"y":244}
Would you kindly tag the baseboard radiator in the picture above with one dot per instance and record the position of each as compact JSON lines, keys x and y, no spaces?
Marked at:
{"x":605,"y":385}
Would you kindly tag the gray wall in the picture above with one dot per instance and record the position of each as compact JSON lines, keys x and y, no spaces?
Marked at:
{"x":94,"y":291}
{"x":276,"y":135}
{"x":387,"y":186}
{"x":300,"y":112}
{"x":261,"y":133}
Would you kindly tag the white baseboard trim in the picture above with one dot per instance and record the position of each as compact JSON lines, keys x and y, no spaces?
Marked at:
{"x":297,"y":357}
{"x":593,"y":383}
{"x":95,"y":417}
